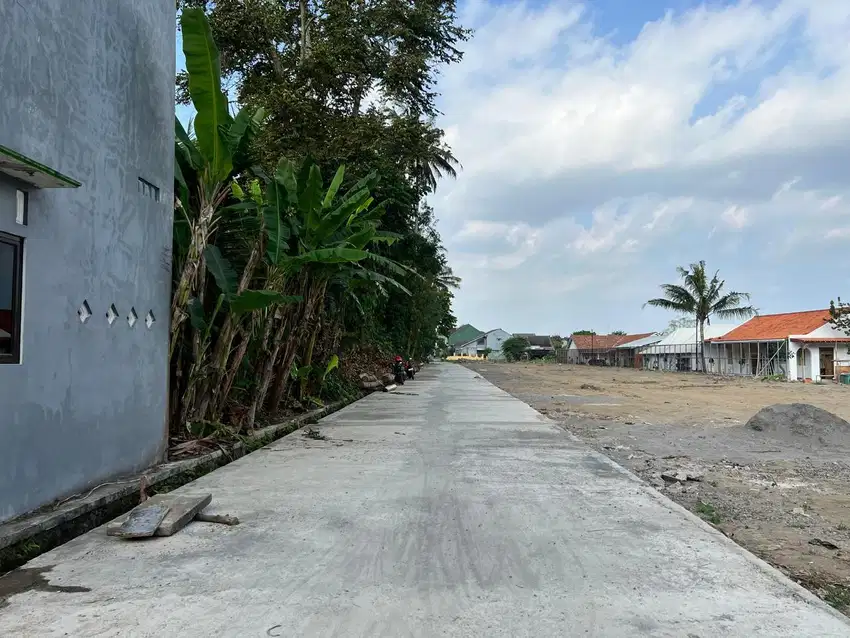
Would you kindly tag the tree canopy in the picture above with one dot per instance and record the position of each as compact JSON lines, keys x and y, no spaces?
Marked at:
{"x":302,"y":234}
{"x":354,"y":83}
{"x":514,"y":347}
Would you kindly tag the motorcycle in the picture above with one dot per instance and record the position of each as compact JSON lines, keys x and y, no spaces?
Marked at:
{"x":410,"y":369}
{"x":398,"y":371}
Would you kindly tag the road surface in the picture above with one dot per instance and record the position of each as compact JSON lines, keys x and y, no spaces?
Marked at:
{"x":448,"y":508}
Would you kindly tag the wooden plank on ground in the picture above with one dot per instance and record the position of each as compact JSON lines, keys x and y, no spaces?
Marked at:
{"x":142,"y":521}
{"x":182,"y":511}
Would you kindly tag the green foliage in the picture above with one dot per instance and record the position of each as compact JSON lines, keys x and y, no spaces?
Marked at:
{"x":276,"y":271}
{"x":702,"y":298}
{"x":584,"y":332}
{"x":619,"y":332}
{"x":514,"y":347}
{"x":839,"y":315}
{"x":708,"y":512}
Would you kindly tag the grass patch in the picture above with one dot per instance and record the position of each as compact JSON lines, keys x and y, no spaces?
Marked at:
{"x":708,"y":512}
{"x":838,"y":596}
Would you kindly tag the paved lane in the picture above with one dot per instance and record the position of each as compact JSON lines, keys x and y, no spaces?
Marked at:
{"x":447,"y":509}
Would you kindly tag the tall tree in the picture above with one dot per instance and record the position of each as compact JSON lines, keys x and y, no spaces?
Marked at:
{"x":353,"y":82}
{"x":702,"y":298}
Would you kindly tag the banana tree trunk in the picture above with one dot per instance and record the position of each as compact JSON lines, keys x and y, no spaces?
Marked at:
{"x":298,"y":336}
{"x":217,"y":409}
{"x":288,"y":318}
{"x":221,"y":352}
{"x":308,"y":361}
{"x":192,"y":267}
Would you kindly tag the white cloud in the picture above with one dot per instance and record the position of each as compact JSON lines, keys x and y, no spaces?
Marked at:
{"x":593,"y":167}
{"x":736,"y":217}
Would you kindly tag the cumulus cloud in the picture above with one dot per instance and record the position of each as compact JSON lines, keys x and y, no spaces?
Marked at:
{"x":595,"y":164}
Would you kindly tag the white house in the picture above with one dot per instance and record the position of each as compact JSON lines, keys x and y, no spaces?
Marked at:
{"x":799,"y":346}
{"x":679,"y":350}
{"x":491,"y":340}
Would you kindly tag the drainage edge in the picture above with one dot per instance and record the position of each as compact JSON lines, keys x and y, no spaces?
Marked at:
{"x":24,"y":538}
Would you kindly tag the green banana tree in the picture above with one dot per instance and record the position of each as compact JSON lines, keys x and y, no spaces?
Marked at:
{"x":204,"y":162}
{"x":317,"y":234}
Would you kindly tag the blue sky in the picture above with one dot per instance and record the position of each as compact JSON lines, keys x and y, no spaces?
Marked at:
{"x":606,"y":142}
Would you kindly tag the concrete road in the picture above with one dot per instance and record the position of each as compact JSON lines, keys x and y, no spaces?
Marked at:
{"x":446,"y":509}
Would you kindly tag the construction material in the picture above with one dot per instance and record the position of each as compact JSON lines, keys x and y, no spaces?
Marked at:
{"x":390,"y":387}
{"x":177,"y":511}
{"x":182,"y":510}
{"x":223,"y":519}
{"x":802,"y":423}
{"x":142,"y":522}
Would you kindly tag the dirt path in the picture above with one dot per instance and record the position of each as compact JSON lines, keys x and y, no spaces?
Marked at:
{"x":787,"y":502}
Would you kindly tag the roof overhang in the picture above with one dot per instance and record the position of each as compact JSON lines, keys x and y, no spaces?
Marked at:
{"x":31,"y":172}
{"x":766,"y":340}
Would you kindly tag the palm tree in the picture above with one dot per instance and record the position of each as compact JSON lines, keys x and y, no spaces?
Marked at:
{"x":702,"y":298}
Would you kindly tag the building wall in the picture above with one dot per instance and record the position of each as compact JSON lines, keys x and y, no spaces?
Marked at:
{"x":495,"y":339}
{"x":88,"y":89}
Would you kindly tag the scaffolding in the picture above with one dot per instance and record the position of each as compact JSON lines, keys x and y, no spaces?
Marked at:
{"x":749,"y":358}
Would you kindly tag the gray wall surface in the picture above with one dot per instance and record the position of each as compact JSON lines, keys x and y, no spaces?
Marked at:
{"x":87,"y":89}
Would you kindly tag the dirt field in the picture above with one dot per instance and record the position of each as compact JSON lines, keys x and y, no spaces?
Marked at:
{"x":785,"y":500}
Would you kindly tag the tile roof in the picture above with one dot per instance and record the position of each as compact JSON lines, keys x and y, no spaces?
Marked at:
{"x":604,"y":342}
{"x":774,"y":327}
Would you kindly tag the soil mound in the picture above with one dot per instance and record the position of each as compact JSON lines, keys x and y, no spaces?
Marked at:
{"x":801,"y":422}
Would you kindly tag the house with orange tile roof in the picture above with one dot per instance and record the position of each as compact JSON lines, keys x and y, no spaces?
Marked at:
{"x":796,"y":345}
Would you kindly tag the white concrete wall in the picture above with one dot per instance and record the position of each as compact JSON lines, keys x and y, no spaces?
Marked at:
{"x":495,"y":339}
{"x":805,"y":364}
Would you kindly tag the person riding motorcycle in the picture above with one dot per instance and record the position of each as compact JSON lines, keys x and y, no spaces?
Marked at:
{"x":398,"y":370}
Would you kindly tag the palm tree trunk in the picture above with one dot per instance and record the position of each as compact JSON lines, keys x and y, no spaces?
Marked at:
{"x":702,"y":346}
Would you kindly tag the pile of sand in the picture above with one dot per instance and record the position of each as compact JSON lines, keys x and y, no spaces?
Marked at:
{"x":801,"y":423}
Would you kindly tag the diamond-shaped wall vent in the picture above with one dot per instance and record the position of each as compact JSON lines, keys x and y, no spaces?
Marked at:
{"x":132,"y":318}
{"x":150,"y":319}
{"x":84,"y":311}
{"x":111,"y":314}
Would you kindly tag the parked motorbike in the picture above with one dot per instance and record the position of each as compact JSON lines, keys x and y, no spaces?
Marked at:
{"x":398,"y":371}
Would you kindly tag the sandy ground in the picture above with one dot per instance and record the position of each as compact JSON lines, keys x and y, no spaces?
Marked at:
{"x":783,"y":500}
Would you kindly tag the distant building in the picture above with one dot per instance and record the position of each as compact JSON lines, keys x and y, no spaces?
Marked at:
{"x":598,"y":349}
{"x":463,"y":335}
{"x":539,"y":346}
{"x":629,"y":354}
{"x":679,"y":351}
{"x":478,"y":346}
{"x":796,"y":345}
